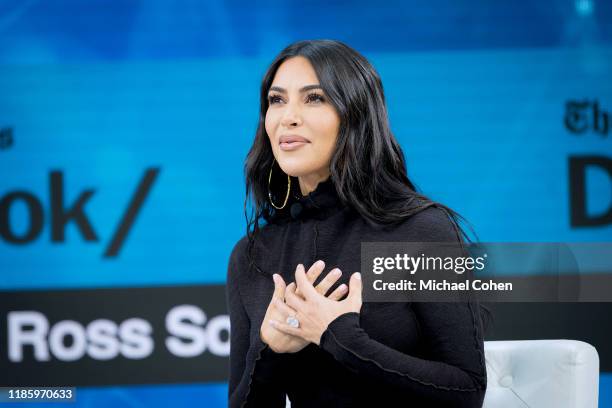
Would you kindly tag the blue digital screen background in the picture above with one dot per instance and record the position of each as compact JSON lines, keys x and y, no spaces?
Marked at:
{"x":104,"y":90}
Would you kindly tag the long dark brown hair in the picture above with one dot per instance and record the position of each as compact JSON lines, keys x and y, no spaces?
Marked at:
{"x":367,"y":168}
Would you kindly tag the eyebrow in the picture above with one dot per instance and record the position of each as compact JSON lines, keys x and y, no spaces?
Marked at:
{"x":302,"y":89}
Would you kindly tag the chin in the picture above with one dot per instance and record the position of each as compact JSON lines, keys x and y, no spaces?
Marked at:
{"x":296,"y":167}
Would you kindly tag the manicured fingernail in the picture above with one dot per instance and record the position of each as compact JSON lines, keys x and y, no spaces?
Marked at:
{"x":336,"y":272}
{"x":275,"y":278}
{"x":301,"y":266}
{"x":320,"y":263}
{"x":342,"y":287}
{"x":357,"y":275}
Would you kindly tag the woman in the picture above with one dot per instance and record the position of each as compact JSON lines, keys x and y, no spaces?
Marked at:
{"x":325,"y":174}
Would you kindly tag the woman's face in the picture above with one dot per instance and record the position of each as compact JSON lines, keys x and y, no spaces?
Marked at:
{"x":300,"y":122}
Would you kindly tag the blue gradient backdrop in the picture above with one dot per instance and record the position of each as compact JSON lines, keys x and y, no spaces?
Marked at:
{"x":103,"y":90}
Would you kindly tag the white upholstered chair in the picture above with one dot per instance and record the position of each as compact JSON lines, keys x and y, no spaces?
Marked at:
{"x":541,"y":374}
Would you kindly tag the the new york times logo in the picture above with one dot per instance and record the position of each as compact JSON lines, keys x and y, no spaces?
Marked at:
{"x":61,"y":213}
{"x":582,"y":116}
{"x":6,"y":138}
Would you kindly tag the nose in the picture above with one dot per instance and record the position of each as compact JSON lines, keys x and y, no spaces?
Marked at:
{"x":291,"y":117}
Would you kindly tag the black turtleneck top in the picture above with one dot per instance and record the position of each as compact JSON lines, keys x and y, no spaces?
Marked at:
{"x":389,"y":354}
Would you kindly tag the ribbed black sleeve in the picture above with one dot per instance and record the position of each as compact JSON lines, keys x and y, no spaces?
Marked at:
{"x":252,"y":378}
{"x":454,"y":379}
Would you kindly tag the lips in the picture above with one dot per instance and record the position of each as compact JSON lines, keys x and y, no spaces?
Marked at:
{"x":292,"y":139}
{"x":292,"y":142}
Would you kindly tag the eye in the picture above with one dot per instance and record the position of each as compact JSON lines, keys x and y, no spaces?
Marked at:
{"x":315,"y":98}
{"x":273,"y":99}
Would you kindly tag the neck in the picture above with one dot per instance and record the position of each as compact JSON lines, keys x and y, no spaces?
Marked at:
{"x":309,"y":183}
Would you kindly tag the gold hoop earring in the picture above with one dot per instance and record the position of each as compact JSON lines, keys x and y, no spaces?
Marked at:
{"x":270,"y":192}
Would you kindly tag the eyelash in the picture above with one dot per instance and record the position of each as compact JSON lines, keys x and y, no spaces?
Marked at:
{"x":315,"y":97}
{"x":311,"y":97}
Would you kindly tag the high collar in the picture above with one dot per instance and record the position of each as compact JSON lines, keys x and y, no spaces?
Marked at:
{"x":320,"y":203}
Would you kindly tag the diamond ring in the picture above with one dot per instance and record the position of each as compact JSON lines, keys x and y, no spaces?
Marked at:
{"x":293,"y":321}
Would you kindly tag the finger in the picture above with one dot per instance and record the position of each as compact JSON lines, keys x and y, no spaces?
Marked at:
{"x":279,"y":287}
{"x":294,"y":289}
{"x":315,"y":270}
{"x":283,"y":308}
{"x":328,"y":281}
{"x":294,"y":301}
{"x":285,"y":328}
{"x":306,"y":288}
{"x":338,"y":292}
{"x":355,"y":287}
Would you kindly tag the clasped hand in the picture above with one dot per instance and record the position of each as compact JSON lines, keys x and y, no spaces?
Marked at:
{"x":309,"y":305}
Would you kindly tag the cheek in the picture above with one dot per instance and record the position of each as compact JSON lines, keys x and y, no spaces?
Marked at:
{"x":328,"y":126}
{"x":270,"y":123}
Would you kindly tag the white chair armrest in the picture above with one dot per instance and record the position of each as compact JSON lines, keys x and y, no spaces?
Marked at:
{"x":541,"y":374}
